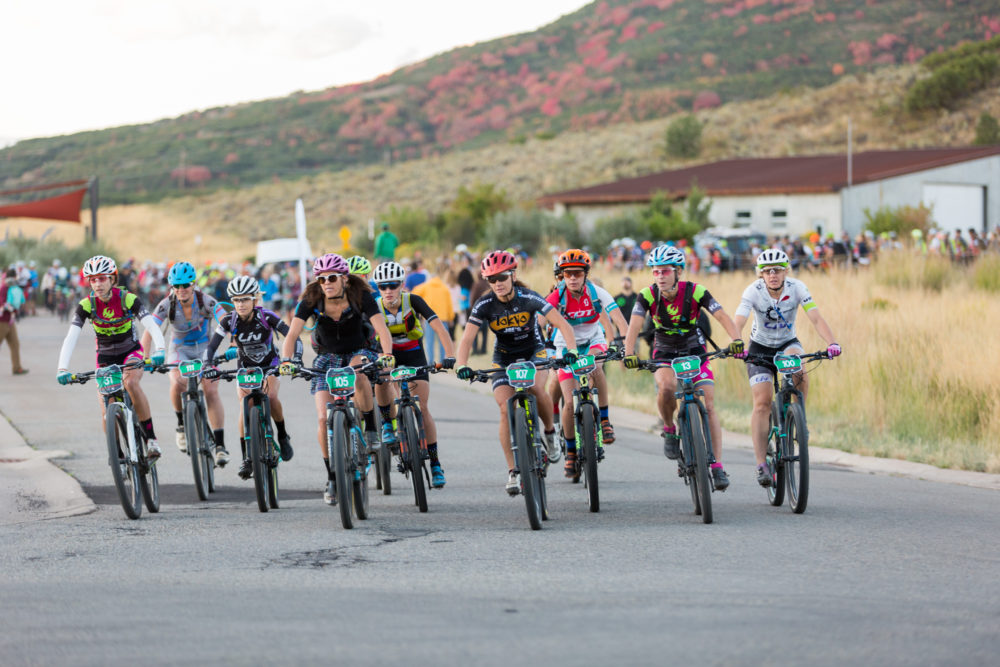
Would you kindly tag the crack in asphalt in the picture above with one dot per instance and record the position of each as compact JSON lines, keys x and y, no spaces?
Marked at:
{"x":317,"y":559}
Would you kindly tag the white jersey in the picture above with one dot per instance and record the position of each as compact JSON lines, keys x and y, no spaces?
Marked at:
{"x":774,"y":319}
{"x":583,"y":316}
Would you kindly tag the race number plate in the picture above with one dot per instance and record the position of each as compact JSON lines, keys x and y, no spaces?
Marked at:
{"x":340,"y":381}
{"x":109,"y":380}
{"x":686,"y":368}
{"x":583,"y":365}
{"x":403,"y":373}
{"x":190,"y":368}
{"x":250,"y":378}
{"x":521,"y":375}
{"x":787,"y":363}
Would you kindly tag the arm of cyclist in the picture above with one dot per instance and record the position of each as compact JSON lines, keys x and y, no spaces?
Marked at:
{"x":825,"y":332}
{"x":635,"y":324}
{"x":62,"y":373}
{"x":553,"y":317}
{"x":282,"y":327}
{"x":385,"y":359}
{"x":152,"y":329}
{"x":464,"y":348}
{"x":614,"y":313}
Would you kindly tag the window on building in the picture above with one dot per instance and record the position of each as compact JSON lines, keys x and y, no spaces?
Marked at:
{"x":779,"y":218}
{"x":743,"y":219}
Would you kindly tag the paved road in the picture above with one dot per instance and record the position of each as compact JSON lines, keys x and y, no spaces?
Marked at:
{"x":880,"y":570}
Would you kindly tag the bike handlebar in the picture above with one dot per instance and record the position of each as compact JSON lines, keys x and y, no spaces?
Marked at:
{"x":652,"y":365}
{"x":310,"y":373}
{"x":485,"y":374}
{"x":82,"y":378}
{"x":819,"y":355}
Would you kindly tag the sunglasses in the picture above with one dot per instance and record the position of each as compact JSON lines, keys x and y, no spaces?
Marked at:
{"x":573,"y":274}
{"x":242,"y":299}
{"x":773,"y":271}
{"x":389,"y":286}
{"x":662,"y":272}
{"x":184,"y":286}
{"x":331,"y":278}
{"x":498,"y":278}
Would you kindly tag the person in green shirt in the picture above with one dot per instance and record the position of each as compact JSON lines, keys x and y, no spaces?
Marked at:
{"x":385,"y":245}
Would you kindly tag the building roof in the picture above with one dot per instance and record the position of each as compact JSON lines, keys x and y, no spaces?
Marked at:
{"x":781,"y":175}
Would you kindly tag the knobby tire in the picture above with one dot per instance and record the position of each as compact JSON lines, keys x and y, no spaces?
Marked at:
{"x":588,"y":444}
{"x":700,"y":446}
{"x":257,"y":448}
{"x":797,"y":458}
{"x":359,"y":479}
{"x":412,"y":444}
{"x":194,"y":431}
{"x":337,"y":451}
{"x":526,"y":465}
{"x":127,"y":485}
{"x":775,"y":463}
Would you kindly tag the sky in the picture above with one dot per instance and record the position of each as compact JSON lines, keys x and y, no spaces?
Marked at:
{"x":72,"y":65}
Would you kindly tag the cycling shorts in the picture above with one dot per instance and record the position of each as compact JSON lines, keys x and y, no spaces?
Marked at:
{"x":120,"y":359}
{"x":764,"y":371}
{"x":595,"y":348}
{"x":324,"y":362}
{"x":177,"y":353}
{"x":414,"y":357}
{"x":666,"y":354}
{"x":503,"y":359}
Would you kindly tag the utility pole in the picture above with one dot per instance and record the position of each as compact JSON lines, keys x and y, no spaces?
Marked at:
{"x":183,"y":168}
{"x":92,"y":191}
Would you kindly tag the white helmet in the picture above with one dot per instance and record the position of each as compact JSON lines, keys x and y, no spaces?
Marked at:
{"x":666,"y":255}
{"x":772,"y":257}
{"x":243,"y":286}
{"x":388,"y":272}
{"x":99,"y":265}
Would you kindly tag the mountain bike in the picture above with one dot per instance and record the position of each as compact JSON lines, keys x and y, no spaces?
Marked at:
{"x":787,"y":455}
{"x":692,"y":423}
{"x":412,"y":441}
{"x":258,"y":437}
{"x":587,"y":418}
{"x":345,"y":438}
{"x":136,"y":479}
{"x":526,"y":434}
{"x":198,"y":433}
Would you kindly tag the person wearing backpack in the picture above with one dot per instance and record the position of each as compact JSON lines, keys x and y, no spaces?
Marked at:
{"x":189,"y":312}
{"x":11,"y":298}
{"x":674,"y":306}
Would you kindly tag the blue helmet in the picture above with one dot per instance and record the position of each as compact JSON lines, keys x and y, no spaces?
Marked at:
{"x":666,"y":255}
{"x":182,"y":273}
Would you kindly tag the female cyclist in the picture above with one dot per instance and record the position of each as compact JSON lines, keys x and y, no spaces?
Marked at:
{"x":673,"y":305}
{"x":111,"y":311}
{"x":509,"y":310}
{"x":341,"y":304}
{"x":252,"y":328}
{"x":189,"y":311}
{"x":590,"y":310}
{"x":774,"y":299}
{"x":402,"y":312}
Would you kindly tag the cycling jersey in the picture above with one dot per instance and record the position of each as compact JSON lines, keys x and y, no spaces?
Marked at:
{"x":675,"y":320}
{"x":341,"y":336}
{"x":513,"y":322}
{"x":582,"y":313}
{"x":254,"y":337}
{"x":112,"y":321}
{"x":404,"y":324}
{"x":774,"y":319}
{"x":187,"y":332}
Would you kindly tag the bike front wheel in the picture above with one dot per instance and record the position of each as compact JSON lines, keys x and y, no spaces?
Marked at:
{"x":257,"y":457}
{"x":150,"y":481}
{"x":194,"y":431}
{"x":699,"y":445}
{"x":588,"y":446}
{"x":796,"y":458}
{"x":337,"y":451}
{"x":123,"y":470}
{"x":525,"y":458}
{"x":411,"y":452}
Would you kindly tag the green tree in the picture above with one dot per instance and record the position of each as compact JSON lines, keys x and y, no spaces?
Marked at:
{"x":698,"y":207}
{"x":987,"y":130}
{"x":466,"y":219}
{"x":531,"y":229}
{"x":684,"y":137}
{"x":902,"y":220}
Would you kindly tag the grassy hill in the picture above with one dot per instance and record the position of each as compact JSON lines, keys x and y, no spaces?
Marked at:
{"x":612,"y":64}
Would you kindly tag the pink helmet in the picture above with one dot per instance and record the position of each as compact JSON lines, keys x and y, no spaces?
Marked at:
{"x":330,"y":263}
{"x":496,"y":262}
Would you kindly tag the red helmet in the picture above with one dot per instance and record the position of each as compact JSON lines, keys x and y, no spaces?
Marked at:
{"x":498,"y":261}
{"x":574,"y":259}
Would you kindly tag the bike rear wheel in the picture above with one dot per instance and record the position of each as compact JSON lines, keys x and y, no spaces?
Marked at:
{"x":383,"y":459}
{"x":337,"y":451}
{"x":272,"y":482}
{"x":796,"y":458}
{"x":194,"y":431}
{"x":775,"y":463}
{"x":359,"y":476}
{"x":124,"y":472}
{"x":588,"y":452}
{"x":150,"y":481}
{"x":525,"y":459}
{"x":257,"y":449}
{"x":411,"y":452}
{"x":699,"y":445}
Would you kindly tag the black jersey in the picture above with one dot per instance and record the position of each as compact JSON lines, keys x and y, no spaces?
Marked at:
{"x":513,"y":321}
{"x":346,"y":335}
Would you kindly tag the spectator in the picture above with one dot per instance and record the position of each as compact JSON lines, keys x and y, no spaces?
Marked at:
{"x":626,"y":298}
{"x":416,"y":276}
{"x":438,"y":297}
{"x":11,"y":299}
{"x":385,"y":245}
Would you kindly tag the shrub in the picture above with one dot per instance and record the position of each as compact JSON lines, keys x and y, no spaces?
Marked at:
{"x":411,"y":225}
{"x":532,"y":230}
{"x":953,"y":81}
{"x":986,"y":273}
{"x":466,"y":219}
{"x":902,"y":220}
{"x":987,"y":130}
{"x":683,"y":137}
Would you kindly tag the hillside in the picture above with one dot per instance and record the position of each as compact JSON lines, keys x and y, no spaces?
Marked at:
{"x":610,"y":64}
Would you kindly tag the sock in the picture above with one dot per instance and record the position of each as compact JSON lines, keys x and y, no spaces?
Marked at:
{"x":220,"y":440}
{"x":570,"y":445}
{"x":369,"y":420}
{"x":716,"y":465}
{"x":329,"y":470}
{"x":432,"y":452}
{"x":180,"y":417}
{"x":670,"y":429}
{"x":281,"y":428}
{"x":147,"y":426}
{"x":555,"y":409}
{"x":386,"y":411}
{"x":550,"y":432}
{"x":604,"y":413}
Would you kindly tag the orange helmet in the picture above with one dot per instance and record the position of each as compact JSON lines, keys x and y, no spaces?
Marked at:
{"x":574,"y":259}
{"x":498,"y":261}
